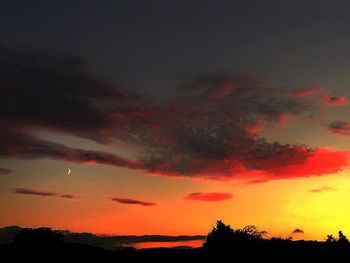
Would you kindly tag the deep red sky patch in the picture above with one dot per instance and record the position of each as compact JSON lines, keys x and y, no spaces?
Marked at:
{"x":208,"y":197}
{"x":322,"y":161}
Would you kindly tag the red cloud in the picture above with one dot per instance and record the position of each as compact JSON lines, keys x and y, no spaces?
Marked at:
{"x":129,"y":201}
{"x":319,"y":162}
{"x":208,"y":197}
{"x":340,"y":127}
{"x":309,"y":91}
{"x":335,"y":101}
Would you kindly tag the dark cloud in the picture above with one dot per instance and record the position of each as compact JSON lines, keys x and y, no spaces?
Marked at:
{"x":335,"y":101}
{"x":297,"y":231}
{"x":323,"y":189}
{"x":57,"y":92}
{"x":40,"y":193}
{"x":208,"y":197}
{"x":339,"y":127}
{"x":68,"y":196}
{"x":29,"y":147}
{"x":32,"y":192}
{"x":211,"y":129}
{"x":4,"y":171}
{"x":129,"y":201}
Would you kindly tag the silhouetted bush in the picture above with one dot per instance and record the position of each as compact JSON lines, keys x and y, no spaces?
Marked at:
{"x":342,"y":239}
{"x":223,"y":236}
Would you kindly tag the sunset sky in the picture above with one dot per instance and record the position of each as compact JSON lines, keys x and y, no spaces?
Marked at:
{"x":161,"y":117}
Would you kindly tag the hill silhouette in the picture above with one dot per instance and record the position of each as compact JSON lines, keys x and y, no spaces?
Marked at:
{"x":7,"y":234}
{"x":248,"y":244}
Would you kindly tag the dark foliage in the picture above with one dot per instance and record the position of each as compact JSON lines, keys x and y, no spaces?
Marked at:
{"x":223,"y":236}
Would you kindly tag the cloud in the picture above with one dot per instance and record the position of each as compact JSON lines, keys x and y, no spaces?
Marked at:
{"x":57,"y":92}
{"x":67,"y":196}
{"x":339,"y":127}
{"x":323,"y":189}
{"x":297,"y":231}
{"x":29,"y":147}
{"x":32,"y":192}
{"x":210,"y":130}
{"x":319,"y":162}
{"x":208,"y":197}
{"x":4,"y":171}
{"x":129,"y":201}
{"x":310,"y":91}
{"x":40,"y":193}
{"x":326,"y":99}
{"x":335,"y":101}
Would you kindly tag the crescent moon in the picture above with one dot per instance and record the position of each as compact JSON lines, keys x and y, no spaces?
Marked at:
{"x":69,"y":171}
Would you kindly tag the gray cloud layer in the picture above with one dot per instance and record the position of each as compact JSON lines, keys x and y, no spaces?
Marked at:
{"x":210,"y":129}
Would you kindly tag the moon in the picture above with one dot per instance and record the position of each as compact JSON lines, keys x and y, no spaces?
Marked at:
{"x":69,"y":171}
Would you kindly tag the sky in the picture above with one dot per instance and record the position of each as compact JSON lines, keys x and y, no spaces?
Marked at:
{"x":161,"y":117}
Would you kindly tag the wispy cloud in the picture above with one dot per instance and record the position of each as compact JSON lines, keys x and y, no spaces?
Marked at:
{"x":27,"y":191}
{"x":323,"y":189}
{"x":129,"y":201}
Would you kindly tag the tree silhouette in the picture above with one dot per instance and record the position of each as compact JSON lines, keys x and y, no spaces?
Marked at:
{"x":223,"y":236}
{"x":342,"y":238}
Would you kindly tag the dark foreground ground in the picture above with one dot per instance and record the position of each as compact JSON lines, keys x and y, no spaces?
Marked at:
{"x":276,"y":251}
{"x":223,"y":243}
